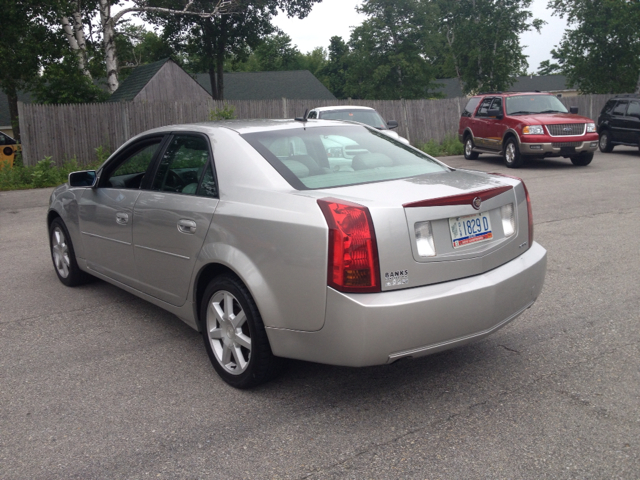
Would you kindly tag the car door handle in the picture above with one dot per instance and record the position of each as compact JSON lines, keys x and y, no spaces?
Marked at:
{"x":122,"y":218}
{"x":187,"y":226}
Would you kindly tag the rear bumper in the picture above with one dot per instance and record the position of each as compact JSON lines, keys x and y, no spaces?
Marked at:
{"x":379,"y":328}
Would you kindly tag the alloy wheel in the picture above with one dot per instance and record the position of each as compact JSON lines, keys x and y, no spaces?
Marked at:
{"x":60,"y":251}
{"x":228,"y":332}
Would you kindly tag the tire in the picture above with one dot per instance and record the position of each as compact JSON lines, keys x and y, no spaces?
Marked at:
{"x":512,"y":157}
{"x":234,"y":335}
{"x":64,"y":257}
{"x":582,"y":160}
{"x":604,"y":143}
{"x":469,"y":154}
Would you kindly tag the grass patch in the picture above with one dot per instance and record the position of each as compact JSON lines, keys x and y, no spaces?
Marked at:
{"x":449,"y":146}
{"x":44,"y":174}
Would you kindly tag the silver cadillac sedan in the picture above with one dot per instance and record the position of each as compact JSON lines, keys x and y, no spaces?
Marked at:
{"x":315,"y":240}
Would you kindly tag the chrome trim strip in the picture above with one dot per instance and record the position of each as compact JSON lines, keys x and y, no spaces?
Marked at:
{"x":105,"y":238}
{"x":162,"y":251}
{"x":408,"y":353}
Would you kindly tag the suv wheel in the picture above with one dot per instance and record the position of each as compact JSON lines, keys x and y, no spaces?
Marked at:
{"x":583,"y":159}
{"x":469,"y":154}
{"x":605,"y":142}
{"x":512,"y":157}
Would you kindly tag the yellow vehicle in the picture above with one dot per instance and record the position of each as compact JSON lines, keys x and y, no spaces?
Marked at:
{"x":8,"y":148}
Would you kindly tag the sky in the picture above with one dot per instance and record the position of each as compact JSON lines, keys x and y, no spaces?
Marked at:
{"x":337,"y":17}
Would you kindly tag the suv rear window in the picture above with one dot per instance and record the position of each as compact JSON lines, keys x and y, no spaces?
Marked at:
{"x":325,"y":157}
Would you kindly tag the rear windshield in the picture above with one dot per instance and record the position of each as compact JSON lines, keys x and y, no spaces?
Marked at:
{"x":525,"y":104}
{"x":368,"y":117}
{"x":325,"y":157}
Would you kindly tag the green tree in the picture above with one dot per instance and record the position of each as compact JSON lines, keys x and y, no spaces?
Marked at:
{"x":600,"y":52}
{"x":138,"y":46}
{"x":212,"y":41}
{"x":65,"y":82}
{"x":389,"y":58}
{"x":334,"y":73}
{"x":27,"y":44}
{"x":482,"y":37}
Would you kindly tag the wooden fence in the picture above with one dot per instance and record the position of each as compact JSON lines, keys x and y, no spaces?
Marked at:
{"x":64,"y":132}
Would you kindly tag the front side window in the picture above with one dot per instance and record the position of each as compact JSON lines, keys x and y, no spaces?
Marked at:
{"x":129,"y":171}
{"x":185,"y":167}
{"x":527,"y":104}
{"x":633,"y":110}
{"x":325,"y":157}
{"x":496,"y":104}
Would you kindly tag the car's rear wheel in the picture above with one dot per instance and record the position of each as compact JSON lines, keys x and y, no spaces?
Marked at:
{"x":583,"y":159}
{"x":469,"y":154}
{"x":512,"y":156}
{"x":234,"y":335}
{"x":63,"y":255}
{"x":605,"y":142}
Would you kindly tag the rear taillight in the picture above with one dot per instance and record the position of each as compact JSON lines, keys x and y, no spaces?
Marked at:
{"x":353,"y":253}
{"x":529,"y":212}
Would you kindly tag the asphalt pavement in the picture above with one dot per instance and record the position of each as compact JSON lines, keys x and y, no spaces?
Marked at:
{"x":96,"y":383}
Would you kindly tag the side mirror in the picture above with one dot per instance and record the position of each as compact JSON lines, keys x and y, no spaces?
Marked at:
{"x":85,"y":178}
{"x":559,"y":95}
{"x":391,"y":124}
{"x":495,"y":112}
{"x":573,"y":110}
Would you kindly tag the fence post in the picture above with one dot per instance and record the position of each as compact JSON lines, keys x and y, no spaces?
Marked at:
{"x":284,"y":108}
{"x":405,"y":119}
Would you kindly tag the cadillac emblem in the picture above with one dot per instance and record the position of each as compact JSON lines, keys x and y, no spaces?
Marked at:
{"x":476,"y":203}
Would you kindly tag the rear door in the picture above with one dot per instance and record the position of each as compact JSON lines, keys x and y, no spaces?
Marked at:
{"x":632,"y":122}
{"x":617,"y":122}
{"x":480,"y":125}
{"x":171,"y":219}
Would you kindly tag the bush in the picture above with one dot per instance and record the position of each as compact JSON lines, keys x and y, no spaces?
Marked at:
{"x":227,"y":112}
{"x":449,"y":146}
{"x":44,"y":174}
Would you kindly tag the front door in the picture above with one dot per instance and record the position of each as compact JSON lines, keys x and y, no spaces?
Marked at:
{"x":171,"y":220}
{"x":106,"y":212}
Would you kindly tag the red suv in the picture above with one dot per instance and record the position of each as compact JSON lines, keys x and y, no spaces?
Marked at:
{"x":526,"y":125}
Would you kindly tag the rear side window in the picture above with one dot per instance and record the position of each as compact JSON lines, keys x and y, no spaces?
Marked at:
{"x":325,"y":157}
{"x":471,"y":106}
{"x":620,"y":108}
{"x":483,"y":110}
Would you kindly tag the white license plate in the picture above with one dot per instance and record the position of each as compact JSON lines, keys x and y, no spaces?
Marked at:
{"x":470,"y":229}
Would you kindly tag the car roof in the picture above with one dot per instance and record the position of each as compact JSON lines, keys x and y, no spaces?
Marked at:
{"x":341,"y":107}
{"x":250,"y":126}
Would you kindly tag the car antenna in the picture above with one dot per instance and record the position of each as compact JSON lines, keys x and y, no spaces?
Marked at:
{"x":303,"y":118}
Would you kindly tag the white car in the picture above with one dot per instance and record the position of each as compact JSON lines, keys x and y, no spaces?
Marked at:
{"x":366,"y":115}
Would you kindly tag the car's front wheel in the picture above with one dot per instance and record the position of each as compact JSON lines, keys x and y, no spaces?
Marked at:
{"x":469,"y":154}
{"x":605,"y":142}
{"x":512,"y":156}
{"x":583,"y":159}
{"x":234,"y":335}
{"x":63,"y":255}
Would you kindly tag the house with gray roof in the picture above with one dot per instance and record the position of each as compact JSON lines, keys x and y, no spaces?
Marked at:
{"x":161,"y":80}
{"x":451,"y":88}
{"x":293,"y":84}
